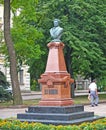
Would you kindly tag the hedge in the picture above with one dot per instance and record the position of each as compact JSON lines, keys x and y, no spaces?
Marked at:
{"x":17,"y":125}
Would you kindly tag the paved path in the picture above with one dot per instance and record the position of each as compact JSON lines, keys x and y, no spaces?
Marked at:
{"x":37,"y":95}
{"x":98,"y":110}
{"x":12,"y":112}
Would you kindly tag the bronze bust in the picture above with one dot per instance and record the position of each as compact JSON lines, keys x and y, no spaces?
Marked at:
{"x":56,"y":31}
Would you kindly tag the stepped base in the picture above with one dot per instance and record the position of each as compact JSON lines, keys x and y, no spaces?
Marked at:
{"x":57,"y":115}
{"x":56,"y":122}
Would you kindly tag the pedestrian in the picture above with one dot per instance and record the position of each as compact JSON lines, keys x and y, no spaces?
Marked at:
{"x":93,"y":93}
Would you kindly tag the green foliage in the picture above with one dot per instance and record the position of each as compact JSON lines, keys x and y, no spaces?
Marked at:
{"x":3,"y":81}
{"x":4,"y":95}
{"x":1,"y":35}
{"x":27,"y":37}
{"x":24,"y":32}
{"x":84,"y":24}
{"x":84,"y":36}
{"x":101,"y":83}
{"x":17,"y":125}
{"x":34,"y":85}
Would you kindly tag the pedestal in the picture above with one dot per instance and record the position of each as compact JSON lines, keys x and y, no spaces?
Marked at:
{"x":56,"y":106}
{"x":57,"y":115}
{"x":56,"y":80}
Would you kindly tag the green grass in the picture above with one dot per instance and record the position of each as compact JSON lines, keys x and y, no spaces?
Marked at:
{"x":25,"y":103}
{"x":77,"y":100}
{"x":84,"y":99}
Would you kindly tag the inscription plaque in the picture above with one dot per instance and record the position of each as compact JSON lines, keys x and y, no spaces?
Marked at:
{"x":51,"y":91}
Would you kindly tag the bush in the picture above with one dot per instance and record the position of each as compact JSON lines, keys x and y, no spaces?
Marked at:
{"x":4,"y":95}
{"x":3,"y":81}
{"x":17,"y":125}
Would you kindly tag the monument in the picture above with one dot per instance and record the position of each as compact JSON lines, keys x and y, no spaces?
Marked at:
{"x":56,"y":105}
{"x":56,"y":80}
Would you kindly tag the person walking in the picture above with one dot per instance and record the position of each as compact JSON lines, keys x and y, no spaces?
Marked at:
{"x":93,"y":93}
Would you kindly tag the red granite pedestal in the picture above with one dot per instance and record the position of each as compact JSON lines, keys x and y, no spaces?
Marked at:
{"x":56,"y":80}
{"x":56,"y":106}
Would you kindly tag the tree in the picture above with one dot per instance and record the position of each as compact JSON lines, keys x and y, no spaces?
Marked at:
{"x":27,"y":37}
{"x":84,"y":34}
{"x":17,"y":99}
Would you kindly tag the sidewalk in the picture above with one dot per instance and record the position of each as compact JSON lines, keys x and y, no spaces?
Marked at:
{"x":37,"y":95}
{"x":12,"y":112}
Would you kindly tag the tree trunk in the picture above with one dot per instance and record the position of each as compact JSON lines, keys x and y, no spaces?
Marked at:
{"x":68,"y":60}
{"x":17,"y":98}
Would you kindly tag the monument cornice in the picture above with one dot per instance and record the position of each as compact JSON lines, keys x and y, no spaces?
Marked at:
{"x":56,"y":44}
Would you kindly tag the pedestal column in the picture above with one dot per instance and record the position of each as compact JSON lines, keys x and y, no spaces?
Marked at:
{"x":56,"y":80}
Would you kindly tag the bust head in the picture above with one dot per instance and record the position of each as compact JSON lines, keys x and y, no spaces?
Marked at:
{"x":56,"y":22}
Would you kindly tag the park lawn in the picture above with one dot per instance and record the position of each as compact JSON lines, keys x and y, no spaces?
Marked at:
{"x":84,"y":99}
{"x":77,"y":100}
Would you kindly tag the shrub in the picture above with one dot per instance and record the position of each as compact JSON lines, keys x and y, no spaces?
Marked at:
{"x":4,"y":95}
{"x":17,"y":125}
